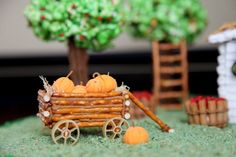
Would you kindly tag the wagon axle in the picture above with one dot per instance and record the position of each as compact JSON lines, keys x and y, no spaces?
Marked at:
{"x":117,"y":130}
{"x":66,"y":133}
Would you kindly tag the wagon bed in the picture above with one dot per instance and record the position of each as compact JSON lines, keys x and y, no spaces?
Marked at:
{"x":87,"y":110}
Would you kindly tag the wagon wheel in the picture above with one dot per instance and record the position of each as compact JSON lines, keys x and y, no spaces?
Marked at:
{"x":65,"y":132}
{"x":115,"y":127}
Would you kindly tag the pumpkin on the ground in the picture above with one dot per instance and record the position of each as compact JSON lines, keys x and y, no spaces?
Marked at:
{"x":63,"y":85}
{"x":136,"y":135}
{"x":109,"y":82}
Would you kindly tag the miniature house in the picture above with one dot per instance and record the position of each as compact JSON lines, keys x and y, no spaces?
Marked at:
{"x":225,"y":37}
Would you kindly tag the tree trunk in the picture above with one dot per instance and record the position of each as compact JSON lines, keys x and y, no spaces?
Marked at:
{"x":78,"y":59}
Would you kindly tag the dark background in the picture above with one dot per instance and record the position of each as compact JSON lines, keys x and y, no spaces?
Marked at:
{"x":20,"y":82}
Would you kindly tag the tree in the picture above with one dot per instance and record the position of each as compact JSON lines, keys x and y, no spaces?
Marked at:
{"x":166,"y":20}
{"x":83,"y":24}
{"x":168,"y":24}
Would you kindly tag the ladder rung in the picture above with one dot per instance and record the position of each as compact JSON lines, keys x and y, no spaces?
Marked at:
{"x":166,"y":95}
{"x":170,"y":83}
{"x":164,"y":47}
{"x":168,"y":58}
{"x":173,"y":69}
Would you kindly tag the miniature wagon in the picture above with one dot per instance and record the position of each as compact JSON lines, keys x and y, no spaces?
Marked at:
{"x":66,"y":113}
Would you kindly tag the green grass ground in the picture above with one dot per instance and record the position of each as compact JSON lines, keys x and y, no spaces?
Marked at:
{"x":26,"y":137}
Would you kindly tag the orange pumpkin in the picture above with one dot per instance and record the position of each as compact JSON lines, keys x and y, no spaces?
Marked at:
{"x":63,"y":85}
{"x":135,"y":135}
{"x":95,"y":86}
{"x":109,"y":82}
{"x":80,"y":89}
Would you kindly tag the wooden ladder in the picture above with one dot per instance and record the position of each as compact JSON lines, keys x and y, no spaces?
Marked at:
{"x":170,"y":70}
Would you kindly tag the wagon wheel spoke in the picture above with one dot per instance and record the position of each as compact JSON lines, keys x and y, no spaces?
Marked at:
{"x":109,"y":134}
{"x":121,"y":122}
{"x":58,"y":137}
{"x":59,"y":129}
{"x":74,"y":139}
{"x":118,"y":135}
{"x":113,"y":136}
{"x":113,"y":124}
{"x":67,"y":125}
{"x":123,"y":126}
{"x":72,"y":130}
{"x":124,"y":129}
{"x":109,"y":130}
{"x":65,"y":139}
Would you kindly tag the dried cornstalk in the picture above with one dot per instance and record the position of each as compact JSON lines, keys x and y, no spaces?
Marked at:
{"x":47,"y":86}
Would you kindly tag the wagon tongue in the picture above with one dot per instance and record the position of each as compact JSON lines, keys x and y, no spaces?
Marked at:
{"x":147,"y":111}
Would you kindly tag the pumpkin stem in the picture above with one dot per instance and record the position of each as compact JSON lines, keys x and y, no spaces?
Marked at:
{"x":96,"y":74}
{"x":68,"y":75}
{"x":81,"y":83}
{"x":108,"y":73}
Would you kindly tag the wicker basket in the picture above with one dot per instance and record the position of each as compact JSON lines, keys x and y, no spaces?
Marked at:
{"x":208,"y":111}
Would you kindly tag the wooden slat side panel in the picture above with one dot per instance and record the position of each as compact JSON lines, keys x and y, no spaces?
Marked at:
{"x":55,"y":107}
{"x":86,"y":110}
{"x":91,"y":124}
{"x":56,"y":118}
{"x":87,"y":95}
{"x":74,"y":101}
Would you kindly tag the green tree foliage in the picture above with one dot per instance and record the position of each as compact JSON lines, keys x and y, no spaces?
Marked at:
{"x":165,"y":20}
{"x":91,"y":24}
